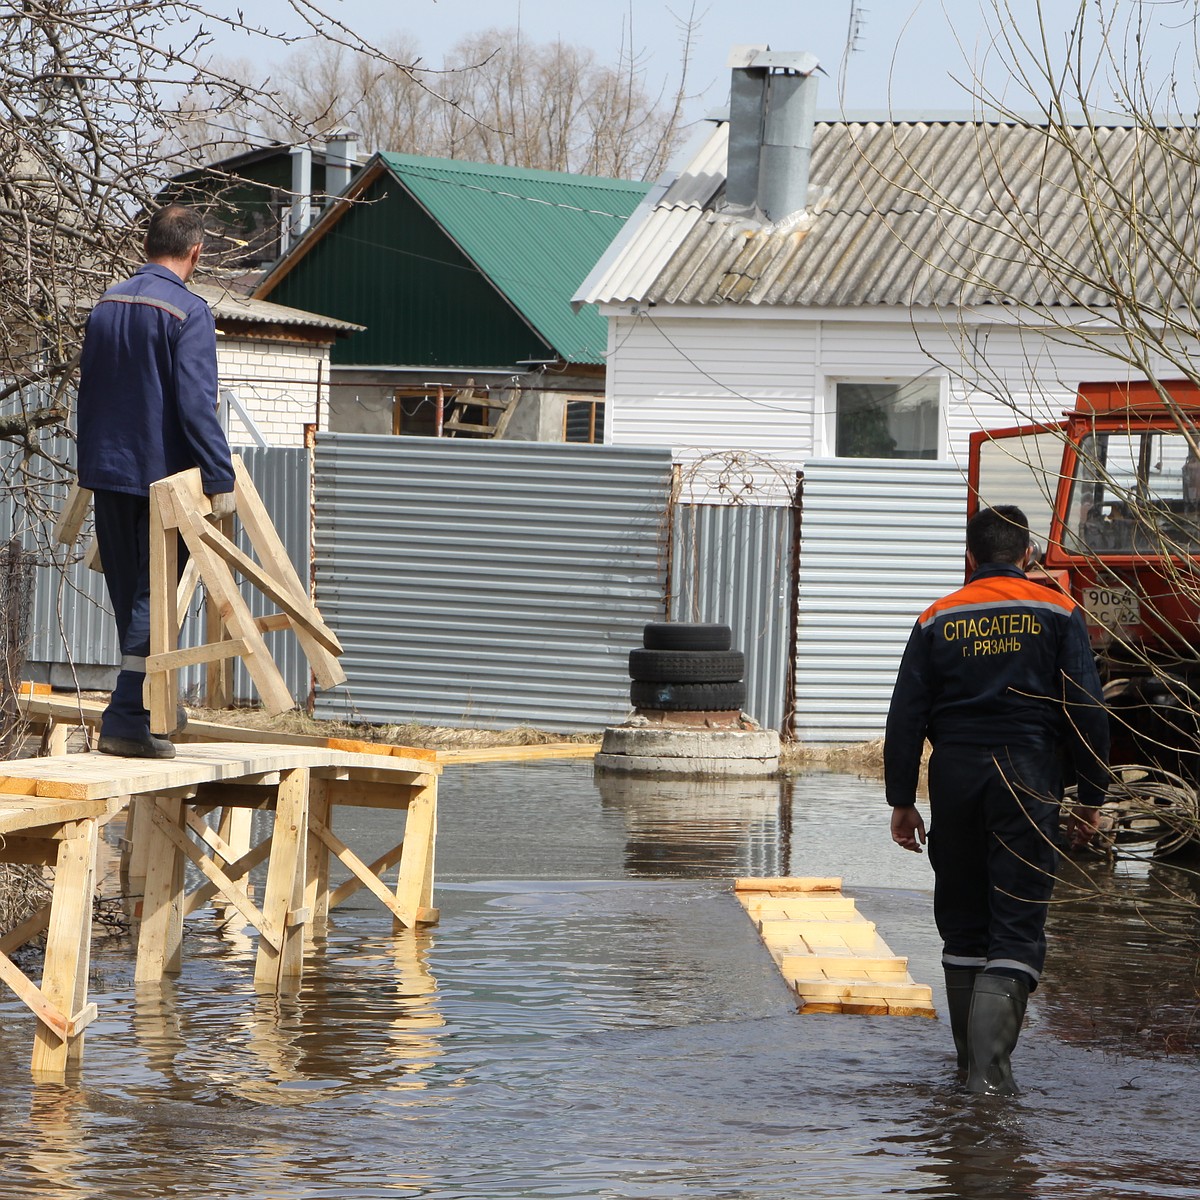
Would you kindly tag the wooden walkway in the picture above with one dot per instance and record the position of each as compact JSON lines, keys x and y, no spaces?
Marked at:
{"x":56,"y":716}
{"x":828,"y":952}
{"x":52,"y":809}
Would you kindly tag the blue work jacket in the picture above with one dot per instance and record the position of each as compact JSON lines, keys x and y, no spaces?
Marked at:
{"x":147,"y":403}
{"x":1002,"y":662}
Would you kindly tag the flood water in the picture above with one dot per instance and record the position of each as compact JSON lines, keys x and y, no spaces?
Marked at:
{"x":595,"y":1017}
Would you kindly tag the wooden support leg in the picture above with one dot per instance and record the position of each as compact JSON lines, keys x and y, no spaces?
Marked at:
{"x":137,"y":834}
{"x":316,"y":891}
{"x":160,"y":938}
{"x":414,"y":888}
{"x":68,"y":949}
{"x":284,"y":896}
{"x":235,"y":828}
{"x":55,"y":740}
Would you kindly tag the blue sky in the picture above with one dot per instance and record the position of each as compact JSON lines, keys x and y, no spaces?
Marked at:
{"x":908,"y":53}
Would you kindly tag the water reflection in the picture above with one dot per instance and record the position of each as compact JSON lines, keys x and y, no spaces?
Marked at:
{"x":976,"y":1147}
{"x":286,"y":1049}
{"x":1124,"y":941}
{"x":696,"y":827}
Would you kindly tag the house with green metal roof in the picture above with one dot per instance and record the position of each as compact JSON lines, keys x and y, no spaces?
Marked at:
{"x":462,"y":275}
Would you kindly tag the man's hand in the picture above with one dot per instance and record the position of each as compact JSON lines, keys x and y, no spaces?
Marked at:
{"x":908,"y":828}
{"x":223,"y":505}
{"x":1082,"y":825}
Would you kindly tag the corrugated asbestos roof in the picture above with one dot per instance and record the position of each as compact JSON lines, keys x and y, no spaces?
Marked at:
{"x":928,"y":213}
{"x":235,"y":307}
{"x":534,"y":234}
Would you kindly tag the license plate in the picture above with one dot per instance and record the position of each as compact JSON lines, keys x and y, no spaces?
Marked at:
{"x":1111,"y":606}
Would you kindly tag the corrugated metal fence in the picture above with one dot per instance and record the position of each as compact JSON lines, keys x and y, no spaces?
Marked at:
{"x":880,"y":541}
{"x":488,"y":583}
{"x":733,"y":564}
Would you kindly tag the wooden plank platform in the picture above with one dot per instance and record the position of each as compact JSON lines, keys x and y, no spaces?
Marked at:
{"x":64,"y":713}
{"x":52,"y":808}
{"x":828,"y":952}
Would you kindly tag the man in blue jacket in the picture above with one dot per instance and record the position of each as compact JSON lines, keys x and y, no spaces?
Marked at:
{"x":147,"y":409}
{"x":1000,"y":677}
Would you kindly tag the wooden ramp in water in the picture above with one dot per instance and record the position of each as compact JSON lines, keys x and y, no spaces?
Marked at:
{"x":828,"y":952}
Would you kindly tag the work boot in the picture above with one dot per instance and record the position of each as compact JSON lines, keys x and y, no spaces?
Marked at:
{"x":997,"y":1010}
{"x":143,"y":747}
{"x":960,"y":982}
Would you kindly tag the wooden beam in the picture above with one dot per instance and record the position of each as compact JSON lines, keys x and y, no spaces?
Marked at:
{"x":384,"y":862}
{"x":274,"y":557}
{"x":414,"y":888}
{"x":68,"y":952}
{"x":28,"y":929}
{"x":284,"y":890}
{"x":160,"y":937}
{"x":74,"y":513}
{"x":225,"y":885}
{"x":301,"y":611}
{"x":360,"y":871}
{"x":191,"y":655}
{"x":162,"y":688}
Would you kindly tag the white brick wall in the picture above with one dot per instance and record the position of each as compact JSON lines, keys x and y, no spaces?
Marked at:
{"x":277,"y":383}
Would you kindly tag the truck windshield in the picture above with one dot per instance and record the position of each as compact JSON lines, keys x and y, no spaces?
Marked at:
{"x":1134,"y":492}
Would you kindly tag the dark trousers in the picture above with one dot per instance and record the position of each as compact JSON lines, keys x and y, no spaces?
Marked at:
{"x":993,"y":845}
{"x":123,"y":532}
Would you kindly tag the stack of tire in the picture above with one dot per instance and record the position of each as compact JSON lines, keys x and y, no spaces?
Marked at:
{"x":687,"y":666}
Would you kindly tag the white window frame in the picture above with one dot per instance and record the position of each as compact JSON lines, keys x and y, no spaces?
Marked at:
{"x":828,"y":425}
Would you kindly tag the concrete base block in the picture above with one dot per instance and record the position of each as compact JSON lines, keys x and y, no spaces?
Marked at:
{"x":729,"y":768}
{"x":657,"y":750}
{"x":659,"y":741}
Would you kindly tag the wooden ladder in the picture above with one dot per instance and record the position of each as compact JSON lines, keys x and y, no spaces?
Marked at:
{"x":470,"y":397}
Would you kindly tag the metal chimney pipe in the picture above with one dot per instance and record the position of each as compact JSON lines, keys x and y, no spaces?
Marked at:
{"x":300,"y":212}
{"x":341,"y":159}
{"x":772,"y":110}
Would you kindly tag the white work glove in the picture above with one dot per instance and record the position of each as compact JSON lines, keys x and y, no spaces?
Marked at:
{"x":223,"y":505}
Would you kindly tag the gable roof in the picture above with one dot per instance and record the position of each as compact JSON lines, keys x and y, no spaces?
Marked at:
{"x":937,"y":212}
{"x":534,"y":235}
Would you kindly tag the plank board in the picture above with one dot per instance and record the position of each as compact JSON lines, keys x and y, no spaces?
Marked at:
{"x":831,"y":956}
{"x":95,"y":776}
{"x":486,"y":754}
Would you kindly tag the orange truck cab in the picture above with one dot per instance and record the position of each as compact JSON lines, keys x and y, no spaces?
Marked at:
{"x":1113,"y":494}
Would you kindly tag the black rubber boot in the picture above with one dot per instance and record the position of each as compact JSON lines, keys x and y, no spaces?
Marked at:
{"x":145,"y":747}
{"x":960,"y":982}
{"x":997,"y":1010}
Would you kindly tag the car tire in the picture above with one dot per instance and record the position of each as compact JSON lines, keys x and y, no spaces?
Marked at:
{"x":687,"y":697}
{"x":686,"y":635}
{"x":687,"y":666}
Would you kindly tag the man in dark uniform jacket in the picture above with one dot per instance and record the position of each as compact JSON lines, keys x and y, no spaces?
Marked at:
{"x":1000,"y":677}
{"x":147,"y":409}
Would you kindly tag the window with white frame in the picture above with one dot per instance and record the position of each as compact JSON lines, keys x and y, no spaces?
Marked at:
{"x":887,"y":418}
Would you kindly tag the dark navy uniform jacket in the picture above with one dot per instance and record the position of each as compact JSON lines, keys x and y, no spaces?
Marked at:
{"x":147,"y":403}
{"x":1001,"y":662}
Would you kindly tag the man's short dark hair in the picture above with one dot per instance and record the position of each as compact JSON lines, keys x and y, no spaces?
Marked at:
{"x":173,"y":231}
{"x":999,"y":534}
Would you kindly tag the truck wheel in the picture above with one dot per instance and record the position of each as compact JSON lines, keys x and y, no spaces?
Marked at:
{"x":687,"y":666}
{"x":686,"y":635}
{"x":687,"y":697}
